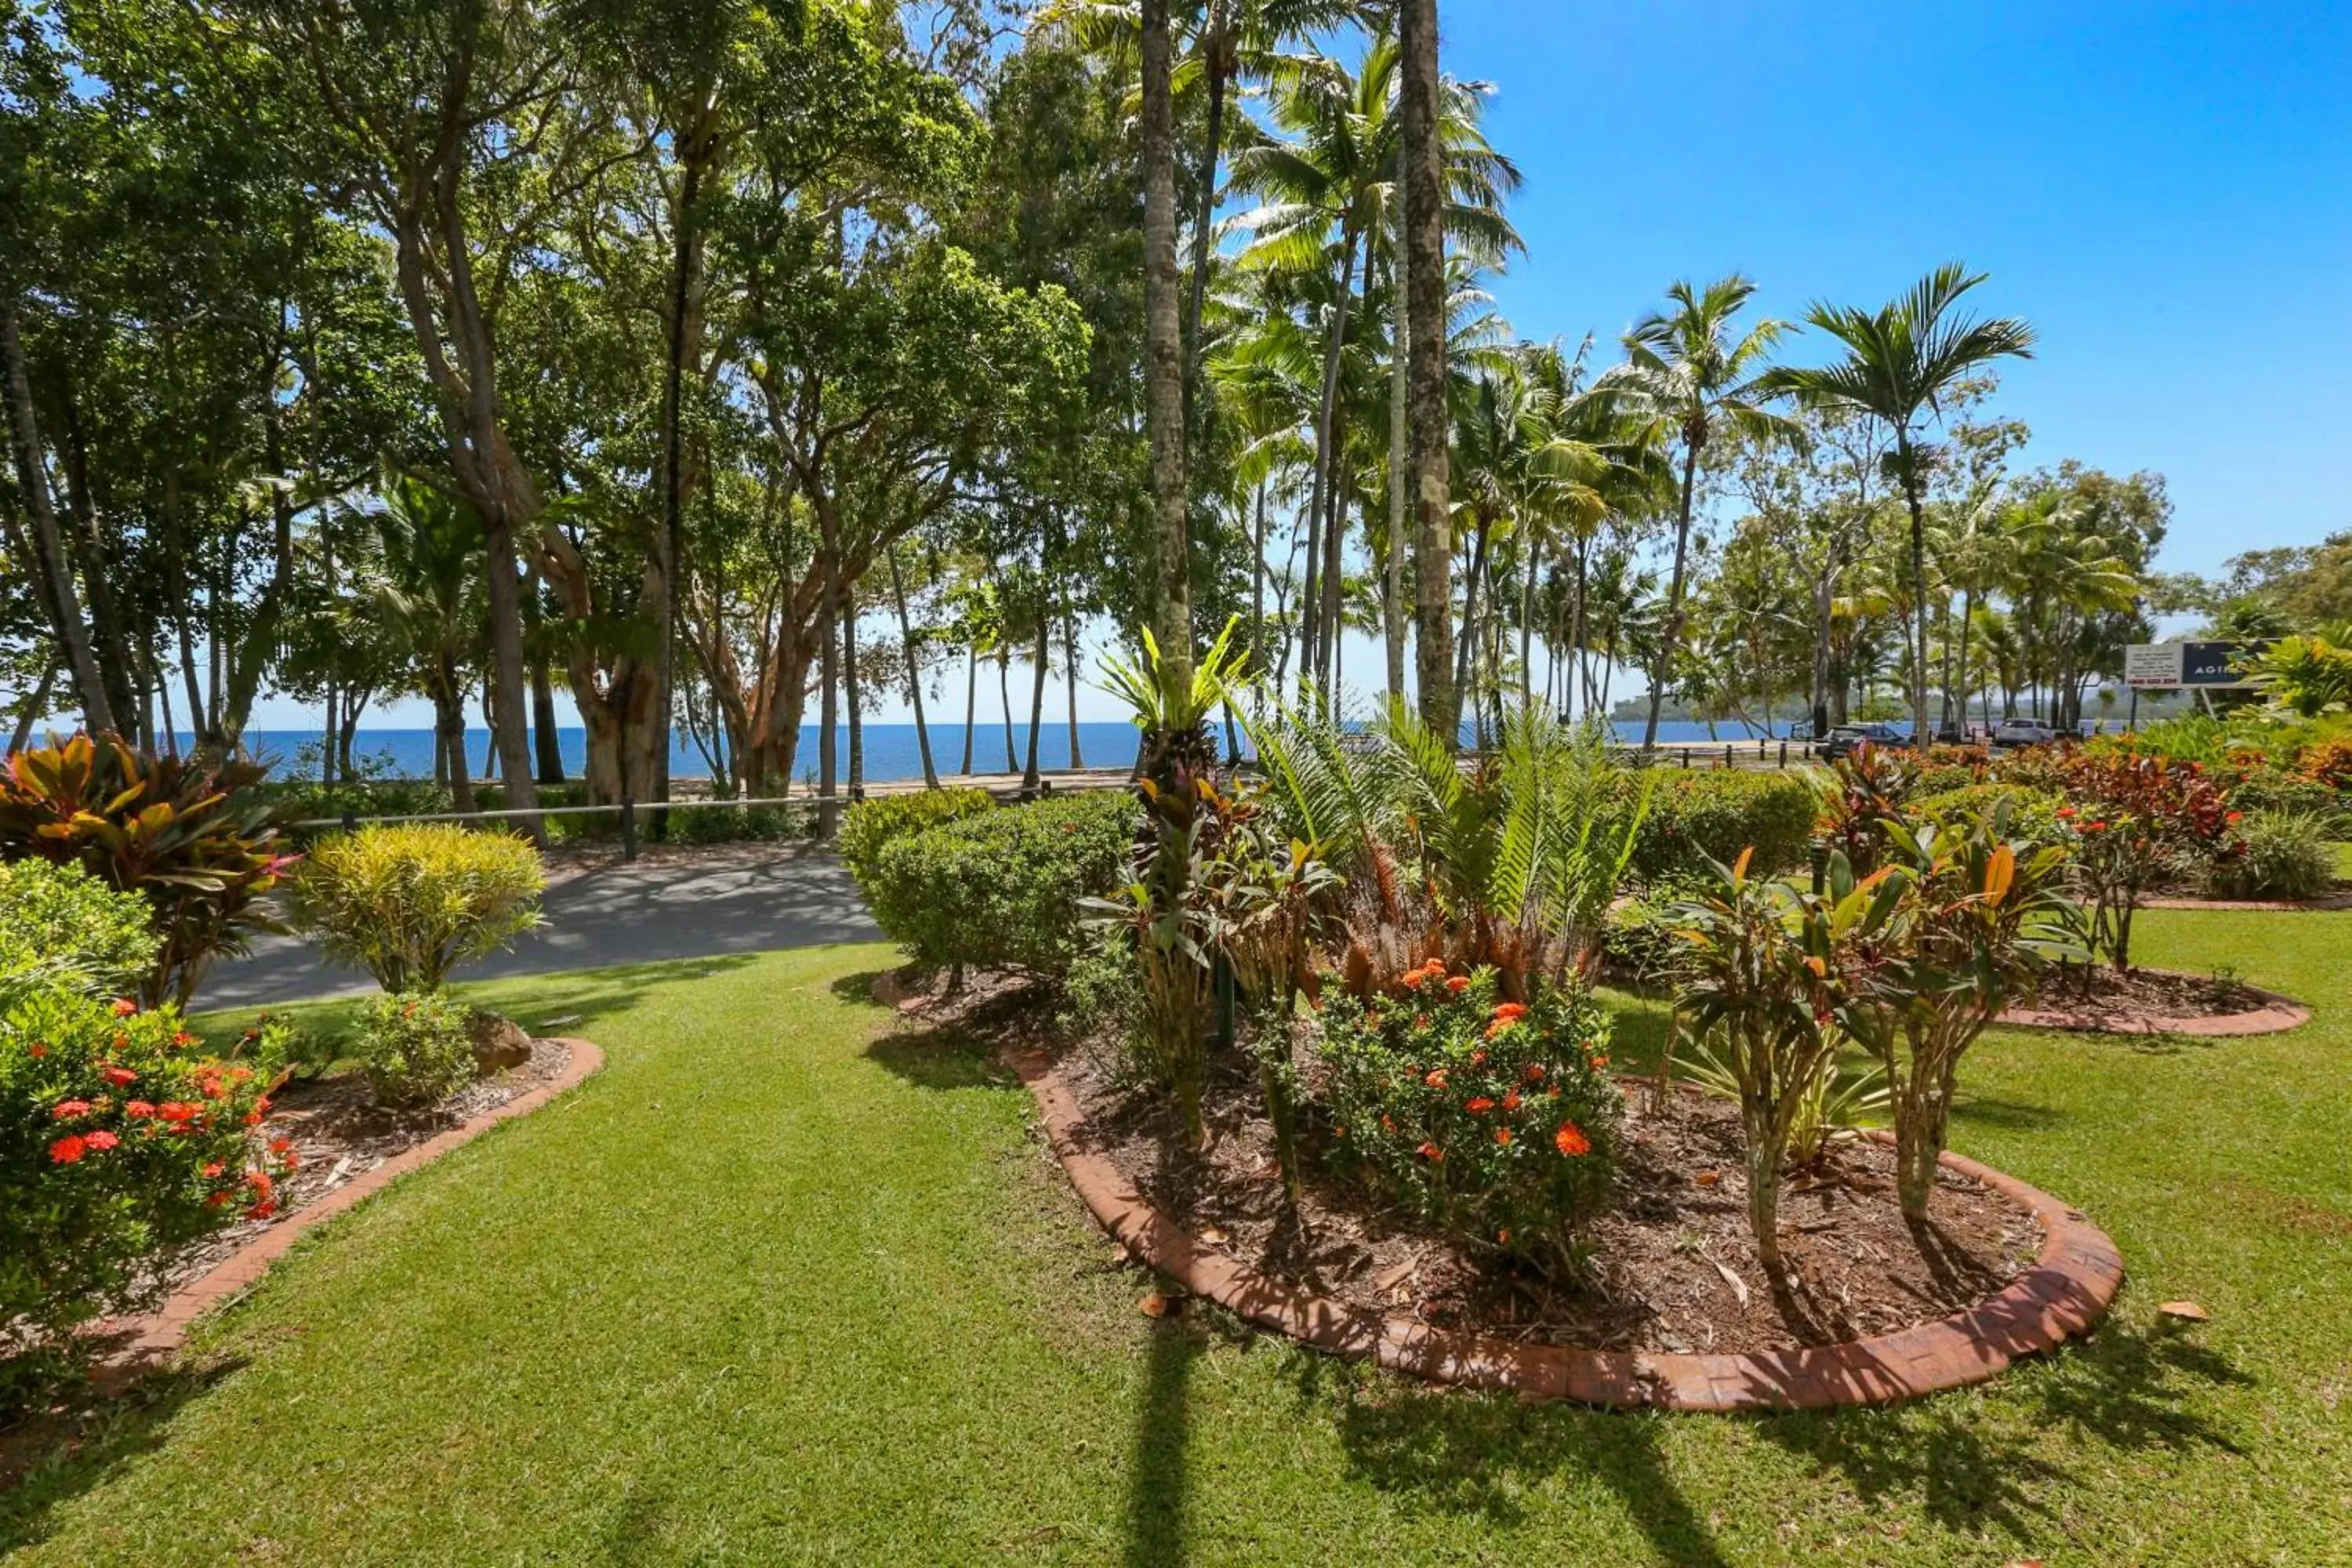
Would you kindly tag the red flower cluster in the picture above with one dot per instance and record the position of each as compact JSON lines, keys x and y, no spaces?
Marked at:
{"x":1570,"y":1141}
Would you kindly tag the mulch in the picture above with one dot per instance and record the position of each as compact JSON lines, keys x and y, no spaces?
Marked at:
{"x":1674,"y":1267}
{"x":2143,"y":998}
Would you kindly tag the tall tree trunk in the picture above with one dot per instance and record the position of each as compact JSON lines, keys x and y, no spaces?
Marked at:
{"x":828,"y":802}
{"x":1393,"y":578}
{"x":1581,"y":672}
{"x":1674,"y":627}
{"x":970,"y":703}
{"x":449,"y":724}
{"x":1070,"y":671}
{"x":1527,"y":625}
{"x":1919,"y":590}
{"x":1315,"y":660}
{"x":87,"y":548}
{"x":1216,"y":48}
{"x":696,"y":147}
{"x":1004,"y":702}
{"x":1467,"y":649}
{"x":1824,"y":604}
{"x":1258,"y":600}
{"x":33,"y":480}
{"x":1422,"y":157}
{"x":1335,"y":540}
{"x":915,"y":674}
{"x":849,"y":691}
{"x":1165,"y":353}
{"x":1044,"y":662}
{"x":545,"y":741}
{"x":36,"y":707}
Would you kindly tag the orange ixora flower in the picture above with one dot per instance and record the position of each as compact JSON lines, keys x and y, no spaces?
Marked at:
{"x":67,"y":1150}
{"x":1436,"y":1079}
{"x":1535,"y":1072}
{"x":68,"y":1109}
{"x":1511,"y":1100}
{"x":121,"y":1077}
{"x":1458,"y":984}
{"x":124,"y":1006}
{"x":1478,"y":1106}
{"x":1570,"y":1140}
{"x":1502,"y":1135}
{"x":1427,"y":1151}
{"x":101,"y":1138}
{"x":1506,"y":1011}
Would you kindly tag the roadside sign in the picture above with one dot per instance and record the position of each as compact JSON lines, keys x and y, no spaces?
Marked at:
{"x":2168,"y":665}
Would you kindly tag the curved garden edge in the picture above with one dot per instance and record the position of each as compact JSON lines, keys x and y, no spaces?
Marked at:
{"x":2328,"y":904}
{"x":144,"y":1342}
{"x":2066,"y":1293}
{"x":2277,"y":1015}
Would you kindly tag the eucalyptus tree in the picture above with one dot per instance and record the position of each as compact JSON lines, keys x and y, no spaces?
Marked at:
{"x":1901,"y":361}
{"x":1690,"y":374}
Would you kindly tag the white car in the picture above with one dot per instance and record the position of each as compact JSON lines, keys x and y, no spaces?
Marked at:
{"x":2025,"y":732}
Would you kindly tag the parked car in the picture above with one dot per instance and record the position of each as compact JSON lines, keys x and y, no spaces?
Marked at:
{"x":1845,"y":740}
{"x":2027,"y":732}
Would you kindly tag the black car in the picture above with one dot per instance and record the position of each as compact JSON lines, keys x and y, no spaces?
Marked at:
{"x":1847,"y":739}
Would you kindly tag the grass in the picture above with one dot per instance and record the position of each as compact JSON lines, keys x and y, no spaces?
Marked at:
{"x":784,"y":1285}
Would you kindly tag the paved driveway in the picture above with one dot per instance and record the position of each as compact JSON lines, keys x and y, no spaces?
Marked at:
{"x":687,"y":905}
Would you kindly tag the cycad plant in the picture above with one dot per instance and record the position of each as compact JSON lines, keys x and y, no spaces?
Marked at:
{"x":1509,"y":862}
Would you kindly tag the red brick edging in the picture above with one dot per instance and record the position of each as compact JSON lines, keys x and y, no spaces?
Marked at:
{"x":2277,"y":1013}
{"x":152,"y":1337}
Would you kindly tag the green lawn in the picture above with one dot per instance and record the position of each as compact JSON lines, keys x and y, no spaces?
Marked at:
{"x":783,"y":1285}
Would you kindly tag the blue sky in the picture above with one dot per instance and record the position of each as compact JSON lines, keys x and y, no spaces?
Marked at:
{"x":2165,"y":191}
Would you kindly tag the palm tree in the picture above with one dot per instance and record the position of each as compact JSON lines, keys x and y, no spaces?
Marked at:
{"x":1325,"y":183}
{"x":428,"y":581}
{"x":1163,"y":380}
{"x":1422,"y":167}
{"x":1901,"y":359}
{"x":1687,"y":377}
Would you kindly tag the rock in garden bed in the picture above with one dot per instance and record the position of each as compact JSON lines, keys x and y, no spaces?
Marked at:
{"x":1674,"y":1267}
{"x":337,"y":1132}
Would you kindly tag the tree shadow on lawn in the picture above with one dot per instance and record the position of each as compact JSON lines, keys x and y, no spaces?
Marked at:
{"x":570,"y":1002}
{"x":1463,"y":1453}
{"x":2126,"y":1389}
{"x":49,"y":1461}
{"x":1155,"y":1490}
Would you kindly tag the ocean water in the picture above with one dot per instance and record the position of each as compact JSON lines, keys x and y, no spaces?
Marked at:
{"x":890,"y":749}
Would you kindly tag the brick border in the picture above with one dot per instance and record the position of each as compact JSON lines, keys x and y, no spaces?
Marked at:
{"x":2326,"y":903}
{"x":2066,"y":1293}
{"x":154,"y":1336}
{"x":2277,"y":1015}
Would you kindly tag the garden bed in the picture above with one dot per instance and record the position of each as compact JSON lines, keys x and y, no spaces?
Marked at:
{"x":1674,"y":1267}
{"x":1868,"y":1312}
{"x":2157,"y":1002}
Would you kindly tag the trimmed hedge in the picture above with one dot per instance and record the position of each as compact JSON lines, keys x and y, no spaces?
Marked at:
{"x":1696,"y":817}
{"x":869,"y":825}
{"x":1003,"y":887}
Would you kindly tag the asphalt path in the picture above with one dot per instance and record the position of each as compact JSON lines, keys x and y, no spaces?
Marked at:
{"x":698,"y":904}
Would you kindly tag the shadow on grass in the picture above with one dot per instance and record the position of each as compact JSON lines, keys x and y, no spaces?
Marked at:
{"x":1488,"y":1456}
{"x":1155,"y":1488}
{"x":574,"y":1002}
{"x":2125,"y":1389}
{"x":47,"y":1463}
{"x":2009,"y":1115}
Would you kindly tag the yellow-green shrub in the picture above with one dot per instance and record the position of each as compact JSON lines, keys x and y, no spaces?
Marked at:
{"x":408,"y":902}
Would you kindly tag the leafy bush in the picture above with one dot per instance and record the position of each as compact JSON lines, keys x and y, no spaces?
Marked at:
{"x":1697,"y":817}
{"x":2328,"y":762}
{"x":2289,"y":795}
{"x":1637,"y":940}
{"x":1003,"y":887}
{"x":2033,"y":813}
{"x":1493,"y":1119}
{"x":869,"y":825}
{"x":2136,"y":818}
{"x":410,"y":901}
{"x":1978,"y":918}
{"x":416,"y":1047}
{"x":1862,"y":799}
{"x":119,"y":1142}
{"x":1952,"y":767}
{"x":2278,"y":855}
{"x":738,"y":825}
{"x":197,"y":841}
{"x":60,"y":923}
